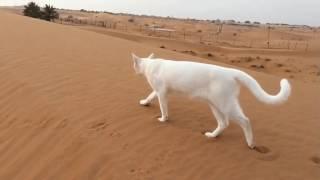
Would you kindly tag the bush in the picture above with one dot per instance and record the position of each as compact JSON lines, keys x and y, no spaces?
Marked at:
{"x":32,"y":10}
{"x":131,"y":20}
{"x":49,"y":13}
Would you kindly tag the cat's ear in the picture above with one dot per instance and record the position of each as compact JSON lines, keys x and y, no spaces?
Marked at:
{"x":136,"y":63}
{"x":151,"y":56}
{"x":135,"y":58}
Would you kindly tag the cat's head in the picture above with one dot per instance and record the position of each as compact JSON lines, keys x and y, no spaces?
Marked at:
{"x":138,"y":62}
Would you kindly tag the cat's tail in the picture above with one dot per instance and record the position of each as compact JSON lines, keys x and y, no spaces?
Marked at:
{"x":260,"y":94}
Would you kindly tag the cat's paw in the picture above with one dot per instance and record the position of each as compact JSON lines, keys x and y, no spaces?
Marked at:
{"x":209,"y":135}
{"x":252,"y":145}
{"x":162,"y":119}
{"x":144,"y":102}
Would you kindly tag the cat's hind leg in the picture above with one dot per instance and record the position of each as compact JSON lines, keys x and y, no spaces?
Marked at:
{"x":147,"y":101}
{"x":163,"y":106}
{"x":238,"y":116}
{"x":222,"y":120}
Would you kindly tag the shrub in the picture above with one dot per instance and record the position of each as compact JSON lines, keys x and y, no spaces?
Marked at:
{"x":131,"y":20}
{"x":32,"y":10}
{"x":49,"y":13}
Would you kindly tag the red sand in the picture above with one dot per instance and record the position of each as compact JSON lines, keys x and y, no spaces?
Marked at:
{"x":69,"y":110}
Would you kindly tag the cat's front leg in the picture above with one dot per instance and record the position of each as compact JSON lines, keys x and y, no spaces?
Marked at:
{"x":147,"y":101}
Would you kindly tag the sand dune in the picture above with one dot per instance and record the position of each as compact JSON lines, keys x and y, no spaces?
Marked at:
{"x":69,"y":110}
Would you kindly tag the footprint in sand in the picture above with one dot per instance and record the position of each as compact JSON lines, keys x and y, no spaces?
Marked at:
{"x":141,"y":173}
{"x":115,"y":134}
{"x":62,"y":124}
{"x":265,"y":154}
{"x":315,"y":160}
{"x":99,"y":126}
{"x":125,"y":147}
{"x":262,"y":149}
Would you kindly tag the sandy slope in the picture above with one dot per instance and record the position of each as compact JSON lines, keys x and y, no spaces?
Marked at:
{"x":69,"y":110}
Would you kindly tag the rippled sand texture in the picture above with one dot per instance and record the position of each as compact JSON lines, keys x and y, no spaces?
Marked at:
{"x":69,"y":110}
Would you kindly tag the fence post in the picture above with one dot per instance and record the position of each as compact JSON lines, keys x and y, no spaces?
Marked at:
{"x":269,"y":28}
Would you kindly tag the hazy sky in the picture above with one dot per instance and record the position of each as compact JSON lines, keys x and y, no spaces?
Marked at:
{"x":278,"y":11}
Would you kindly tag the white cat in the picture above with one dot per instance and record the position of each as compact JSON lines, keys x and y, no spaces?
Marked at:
{"x":219,"y":86}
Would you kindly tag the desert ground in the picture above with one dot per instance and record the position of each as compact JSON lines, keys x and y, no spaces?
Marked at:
{"x":69,"y":102}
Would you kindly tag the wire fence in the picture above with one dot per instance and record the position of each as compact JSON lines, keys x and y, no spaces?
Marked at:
{"x":213,"y":36}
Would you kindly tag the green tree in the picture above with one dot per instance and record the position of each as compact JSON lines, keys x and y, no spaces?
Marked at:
{"x":32,"y":10}
{"x":49,"y":13}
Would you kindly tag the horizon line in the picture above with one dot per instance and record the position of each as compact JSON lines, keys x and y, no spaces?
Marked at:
{"x":175,"y":17}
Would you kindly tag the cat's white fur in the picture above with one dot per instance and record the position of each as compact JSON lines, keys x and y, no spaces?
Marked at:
{"x":219,"y":86}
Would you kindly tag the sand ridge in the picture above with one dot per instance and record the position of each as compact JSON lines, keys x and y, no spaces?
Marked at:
{"x":69,"y":110}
